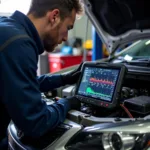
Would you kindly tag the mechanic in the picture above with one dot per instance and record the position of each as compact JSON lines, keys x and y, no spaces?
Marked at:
{"x":23,"y":38}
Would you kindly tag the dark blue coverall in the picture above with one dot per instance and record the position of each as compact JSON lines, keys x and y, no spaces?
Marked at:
{"x":20,"y":88}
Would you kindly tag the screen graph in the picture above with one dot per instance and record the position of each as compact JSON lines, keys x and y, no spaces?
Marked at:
{"x":98,"y":83}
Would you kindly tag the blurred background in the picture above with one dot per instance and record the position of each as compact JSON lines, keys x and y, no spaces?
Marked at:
{"x":81,"y":44}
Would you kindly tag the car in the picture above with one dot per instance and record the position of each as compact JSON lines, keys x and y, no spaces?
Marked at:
{"x":114,"y":92}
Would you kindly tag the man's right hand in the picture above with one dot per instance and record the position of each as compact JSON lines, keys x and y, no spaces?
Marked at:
{"x":74,"y":102}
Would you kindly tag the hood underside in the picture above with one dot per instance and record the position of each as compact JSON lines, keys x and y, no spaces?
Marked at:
{"x":119,"y":22}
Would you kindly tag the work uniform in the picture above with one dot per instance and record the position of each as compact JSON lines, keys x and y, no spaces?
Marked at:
{"x":20,"y":88}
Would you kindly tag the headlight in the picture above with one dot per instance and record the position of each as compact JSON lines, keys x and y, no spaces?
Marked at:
{"x":118,"y":141}
{"x":124,"y":141}
{"x":108,"y":139}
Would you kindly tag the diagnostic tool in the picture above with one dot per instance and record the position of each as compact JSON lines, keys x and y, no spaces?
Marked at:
{"x":100,"y":84}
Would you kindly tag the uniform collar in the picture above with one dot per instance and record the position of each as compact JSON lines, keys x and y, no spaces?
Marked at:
{"x":30,"y":29}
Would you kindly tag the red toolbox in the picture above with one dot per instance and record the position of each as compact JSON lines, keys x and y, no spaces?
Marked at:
{"x":59,"y":61}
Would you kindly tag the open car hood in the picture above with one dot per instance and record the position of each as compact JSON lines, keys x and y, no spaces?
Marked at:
{"x":119,"y":22}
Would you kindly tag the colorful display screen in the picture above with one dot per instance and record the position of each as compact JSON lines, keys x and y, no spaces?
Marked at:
{"x":98,"y":83}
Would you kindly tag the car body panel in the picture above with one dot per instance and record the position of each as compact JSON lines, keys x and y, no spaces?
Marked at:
{"x":103,"y":14}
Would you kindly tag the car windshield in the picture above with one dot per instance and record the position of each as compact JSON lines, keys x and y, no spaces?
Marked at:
{"x":140,"y":49}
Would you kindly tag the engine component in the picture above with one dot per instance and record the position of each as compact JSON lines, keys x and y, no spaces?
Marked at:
{"x":125,"y":93}
{"x":68,"y":91}
{"x":133,"y":92}
{"x":139,"y":104}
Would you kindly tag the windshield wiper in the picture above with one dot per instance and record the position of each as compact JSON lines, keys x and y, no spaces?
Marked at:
{"x":138,"y":62}
{"x":134,"y":61}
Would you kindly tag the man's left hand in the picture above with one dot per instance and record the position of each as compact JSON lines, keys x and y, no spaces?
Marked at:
{"x":73,"y":76}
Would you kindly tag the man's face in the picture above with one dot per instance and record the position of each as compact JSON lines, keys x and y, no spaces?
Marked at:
{"x":59,"y":32}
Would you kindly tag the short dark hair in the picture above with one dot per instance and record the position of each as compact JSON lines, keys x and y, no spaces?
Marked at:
{"x":39,"y":8}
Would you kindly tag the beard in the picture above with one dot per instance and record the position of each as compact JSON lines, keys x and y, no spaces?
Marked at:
{"x":50,"y":40}
{"x":49,"y":43}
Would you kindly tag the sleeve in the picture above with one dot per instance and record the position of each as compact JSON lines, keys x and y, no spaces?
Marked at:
{"x":20,"y":91}
{"x":49,"y":82}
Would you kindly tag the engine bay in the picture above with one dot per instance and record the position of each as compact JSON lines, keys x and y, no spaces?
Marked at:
{"x":109,"y":93}
{"x":115,"y":105}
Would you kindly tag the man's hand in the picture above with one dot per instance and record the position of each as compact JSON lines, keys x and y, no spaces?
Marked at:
{"x":72,"y":77}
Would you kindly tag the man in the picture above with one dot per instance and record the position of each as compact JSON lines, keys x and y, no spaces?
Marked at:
{"x":23,"y":38}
